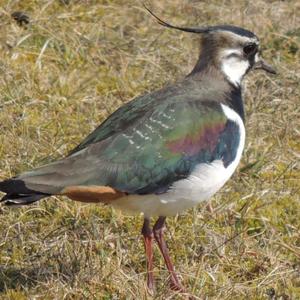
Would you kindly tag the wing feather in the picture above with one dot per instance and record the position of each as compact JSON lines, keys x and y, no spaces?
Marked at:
{"x":149,"y":155}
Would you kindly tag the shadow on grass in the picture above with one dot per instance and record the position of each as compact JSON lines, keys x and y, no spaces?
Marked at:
{"x":25,"y":278}
{"x":12,"y":278}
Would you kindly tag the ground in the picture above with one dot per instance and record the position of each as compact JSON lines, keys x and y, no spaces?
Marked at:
{"x":72,"y":65}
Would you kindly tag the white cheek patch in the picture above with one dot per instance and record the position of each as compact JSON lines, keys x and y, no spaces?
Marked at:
{"x":230,"y":52}
{"x":234,"y":66}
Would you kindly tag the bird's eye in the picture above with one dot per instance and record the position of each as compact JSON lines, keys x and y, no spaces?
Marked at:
{"x":250,"y":49}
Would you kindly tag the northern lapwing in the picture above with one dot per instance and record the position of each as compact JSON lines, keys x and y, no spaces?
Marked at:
{"x":162,"y":152}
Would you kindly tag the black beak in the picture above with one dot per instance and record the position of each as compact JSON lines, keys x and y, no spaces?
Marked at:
{"x":261,"y":64}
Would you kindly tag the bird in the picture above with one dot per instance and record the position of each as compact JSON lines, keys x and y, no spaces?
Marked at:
{"x":163,"y":152}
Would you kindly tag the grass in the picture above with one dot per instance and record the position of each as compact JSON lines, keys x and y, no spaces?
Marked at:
{"x":73,"y":65}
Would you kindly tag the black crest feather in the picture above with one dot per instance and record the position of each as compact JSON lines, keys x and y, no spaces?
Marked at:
{"x":234,"y":29}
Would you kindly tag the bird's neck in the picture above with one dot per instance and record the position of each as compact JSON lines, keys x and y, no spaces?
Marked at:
{"x":235,"y":101}
{"x":212,"y":78}
{"x":203,"y":64}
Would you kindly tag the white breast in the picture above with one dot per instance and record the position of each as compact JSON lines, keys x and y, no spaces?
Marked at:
{"x":203,"y":183}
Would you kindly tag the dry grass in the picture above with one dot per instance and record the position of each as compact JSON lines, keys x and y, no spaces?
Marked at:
{"x":72,"y":66}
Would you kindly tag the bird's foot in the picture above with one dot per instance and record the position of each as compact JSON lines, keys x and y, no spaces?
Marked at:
{"x":175,"y":285}
{"x":151,"y":284}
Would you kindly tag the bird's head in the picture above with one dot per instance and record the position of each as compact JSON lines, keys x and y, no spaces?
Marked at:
{"x":232,"y":50}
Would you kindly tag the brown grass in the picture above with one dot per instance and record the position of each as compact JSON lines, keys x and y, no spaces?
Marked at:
{"x":71,"y":67}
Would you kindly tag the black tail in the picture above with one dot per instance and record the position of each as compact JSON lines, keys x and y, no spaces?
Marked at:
{"x":18,"y":194}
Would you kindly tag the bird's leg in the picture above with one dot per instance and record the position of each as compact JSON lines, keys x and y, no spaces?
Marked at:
{"x":148,"y":238}
{"x":158,"y":230}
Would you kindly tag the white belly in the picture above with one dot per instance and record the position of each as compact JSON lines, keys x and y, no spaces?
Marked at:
{"x":200,"y":185}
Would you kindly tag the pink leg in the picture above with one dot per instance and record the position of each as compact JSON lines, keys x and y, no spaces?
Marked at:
{"x":148,"y":238}
{"x":158,"y":230}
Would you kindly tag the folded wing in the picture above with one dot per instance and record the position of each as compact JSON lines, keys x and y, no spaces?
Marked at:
{"x":149,"y":154}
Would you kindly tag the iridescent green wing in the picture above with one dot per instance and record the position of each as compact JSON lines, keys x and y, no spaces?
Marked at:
{"x":161,"y":147}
